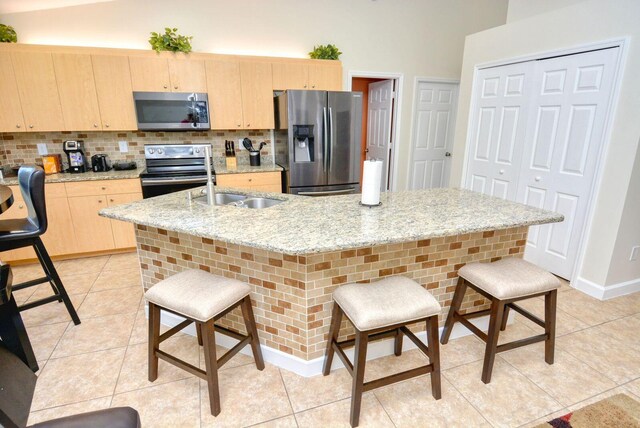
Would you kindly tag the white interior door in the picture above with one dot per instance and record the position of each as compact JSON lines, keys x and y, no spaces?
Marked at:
{"x":564,"y":138}
{"x":502,"y":99}
{"x":380,"y":115}
{"x":432,"y":139}
{"x":537,"y":130}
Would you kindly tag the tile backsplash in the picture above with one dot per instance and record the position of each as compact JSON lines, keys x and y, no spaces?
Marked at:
{"x":22,"y":148}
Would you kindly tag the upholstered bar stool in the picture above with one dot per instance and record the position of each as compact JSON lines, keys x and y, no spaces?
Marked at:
{"x":378,"y":310}
{"x":504,"y":282}
{"x":202,"y":298}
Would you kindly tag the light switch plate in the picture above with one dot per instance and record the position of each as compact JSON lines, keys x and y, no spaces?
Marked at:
{"x":42,"y":149}
{"x":239,"y":146}
{"x":634,"y":253}
{"x":124,"y":146}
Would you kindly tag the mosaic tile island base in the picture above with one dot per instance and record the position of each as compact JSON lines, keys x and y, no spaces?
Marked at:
{"x":295,"y":254}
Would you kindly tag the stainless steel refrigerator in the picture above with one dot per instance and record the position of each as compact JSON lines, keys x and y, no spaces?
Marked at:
{"x":318,"y":141}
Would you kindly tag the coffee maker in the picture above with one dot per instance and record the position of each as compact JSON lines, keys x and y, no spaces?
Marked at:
{"x":75,"y":155}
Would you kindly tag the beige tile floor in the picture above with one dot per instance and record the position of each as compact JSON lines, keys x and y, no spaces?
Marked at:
{"x":102,"y":363}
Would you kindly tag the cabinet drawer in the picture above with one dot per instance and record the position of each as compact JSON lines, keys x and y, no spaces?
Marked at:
{"x":55,"y":190}
{"x":102,"y":187}
{"x":248,"y":180}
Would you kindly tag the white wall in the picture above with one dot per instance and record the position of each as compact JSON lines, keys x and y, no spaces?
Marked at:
{"x":520,"y":9}
{"x":414,"y":37}
{"x":616,"y":223}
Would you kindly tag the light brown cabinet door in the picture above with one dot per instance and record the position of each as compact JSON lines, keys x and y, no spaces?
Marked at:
{"x":123,"y":233}
{"x":263,"y":181}
{"x":225,"y":93}
{"x":187,"y":75}
{"x":11,"y":119}
{"x":38,"y":91}
{"x":60,"y":237}
{"x":290,"y":75}
{"x":257,"y":94}
{"x":93,"y":233}
{"x":325,"y":77}
{"x":149,"y":74}
{"x":77,"y":89}
{"x":115,"y":93}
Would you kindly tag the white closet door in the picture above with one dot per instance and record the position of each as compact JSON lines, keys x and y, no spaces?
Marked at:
{"x":501,"y":102}
{"x":564,"y":137}
{"x":380,"y":113}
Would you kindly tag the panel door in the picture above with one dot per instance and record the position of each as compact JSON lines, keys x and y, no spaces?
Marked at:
{"x":187,"y":75}
{"x":380,"y":116}
{"x":225,"y":93}
{"x":290,"y":75}
{"x":60,"y":236}
{"x":115,"y":94}
{"x":499,"y":123}
{"x":149,"y":74}
{"x":11,"y":119}
{"x":325,"y":77}
{"x":77,"y":90}
{"x":257,"y":95}
{"x":566,"y":130}
{"x":432,"y":137}
{"x":38,"y":91}
{"x":93,"y":232}
{"x":123,"y":233}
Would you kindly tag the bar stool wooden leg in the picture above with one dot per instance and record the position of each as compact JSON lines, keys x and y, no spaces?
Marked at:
{"x":199,"y":333}
{"x":211,"y":363}
{"x":434,"y":356}
{"x":495,"y":319}
{"x":154,"y":340}
{"x":458,"y":296}
{"x":397,"y":344}
{"x":250,"y":324}
{"x":550,"y":300}
{"x":505,"y":318}
{"x":357,"y":388}
{"x":336,"y":319}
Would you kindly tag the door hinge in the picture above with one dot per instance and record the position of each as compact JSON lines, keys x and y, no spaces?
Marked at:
{"x":393,"y":94}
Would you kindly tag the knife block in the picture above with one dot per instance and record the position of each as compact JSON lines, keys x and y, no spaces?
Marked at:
{"x":232,"y":162}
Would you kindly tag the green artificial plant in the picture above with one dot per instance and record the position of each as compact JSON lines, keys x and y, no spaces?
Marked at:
{"x":170,"y":41}
{"x":325,"y":52}
{"x":7,"y":34}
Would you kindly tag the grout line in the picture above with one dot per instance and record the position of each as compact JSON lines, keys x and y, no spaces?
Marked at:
{"x":68,"y":404}
{"x":124,"y":357}
{"x":450,"y":382}
{"x":384,"y":409}
{"x":284,"y":385}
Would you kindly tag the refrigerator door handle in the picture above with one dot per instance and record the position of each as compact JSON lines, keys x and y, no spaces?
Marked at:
{"x":325,"y":139}
{"x":330,"y":138}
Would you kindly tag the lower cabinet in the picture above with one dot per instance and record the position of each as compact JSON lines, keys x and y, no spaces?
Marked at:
{"x":261,"y":181}
{"x":74,"y":226}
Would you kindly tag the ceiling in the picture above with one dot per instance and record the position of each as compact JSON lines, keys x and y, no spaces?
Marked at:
{"x":13,"y":6}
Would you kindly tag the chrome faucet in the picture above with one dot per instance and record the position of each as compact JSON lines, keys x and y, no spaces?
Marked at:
{"x":211,"y":189}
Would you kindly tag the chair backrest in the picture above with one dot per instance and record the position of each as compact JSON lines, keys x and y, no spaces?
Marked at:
{"x":31,"y":181}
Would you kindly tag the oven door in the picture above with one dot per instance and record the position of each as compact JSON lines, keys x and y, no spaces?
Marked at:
{"x":171,"y":111}
{"x":161,"y":186}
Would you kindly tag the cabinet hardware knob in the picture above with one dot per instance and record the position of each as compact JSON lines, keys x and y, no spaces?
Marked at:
{"x":111,"y":200}
{"x":99,"y":201}
{"x":313,"y":86}
{"x":95,"y":125}
{"x":20,"y":206}
{"x":248,"y":124}
{"x":103,"y":188}
{"x":538,"y":178}
{"x":30,"y":126}
{"x":107,"y":125}
{"x":305,"y":86}
{"x":175,"y":87}
{"x":250,"y":179}
{"x":164,"y":86}
{"x":238,"y":125}
{"x":18,"y":126}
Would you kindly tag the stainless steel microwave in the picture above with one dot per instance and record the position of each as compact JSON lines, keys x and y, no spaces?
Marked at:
{"x":172,"y":111}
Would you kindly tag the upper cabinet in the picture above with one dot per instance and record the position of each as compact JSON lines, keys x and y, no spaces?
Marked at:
{"x":311,"y":74}
{"x":159,"y":74}
{"x":77,"y":90}
{"x":240,"y":93}
{"x":11,"y":119}
{"x":113,"y":86}
{"x":38,"y":91}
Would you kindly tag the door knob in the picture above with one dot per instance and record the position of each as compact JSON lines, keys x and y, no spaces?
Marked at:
{"x":447,"y":154}
{"x":501,"y":171}
{"x":538,"y":178}
{"x":366,"y":150}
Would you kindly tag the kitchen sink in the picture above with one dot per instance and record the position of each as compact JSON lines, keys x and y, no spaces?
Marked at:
{"x":240,"y":201}
{"x":258,"y":202}
{"x":227,"y":198}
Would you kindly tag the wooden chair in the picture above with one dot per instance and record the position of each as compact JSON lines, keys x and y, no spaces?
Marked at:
{"x":378,"y":310}
{"x":504,"y":282}
{"x":201,"y":298}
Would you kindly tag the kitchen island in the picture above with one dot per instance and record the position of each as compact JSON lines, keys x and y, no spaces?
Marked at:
{"x":294,"y":254}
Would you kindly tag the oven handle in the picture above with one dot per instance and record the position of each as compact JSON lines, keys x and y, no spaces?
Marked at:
{"x":157,"y":182}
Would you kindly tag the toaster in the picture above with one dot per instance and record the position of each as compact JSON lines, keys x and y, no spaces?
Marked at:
{"x":100,"y":163}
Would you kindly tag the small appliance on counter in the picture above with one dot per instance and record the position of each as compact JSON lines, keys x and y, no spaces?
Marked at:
{"x":125,"y":166}
{"x":52,"y":164}
{"x":100,"y":163}
{"x":75,"y":155}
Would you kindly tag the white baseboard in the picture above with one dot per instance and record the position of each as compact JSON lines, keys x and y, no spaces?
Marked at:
{"x":606,"y":292}
{"x":313,"y":367}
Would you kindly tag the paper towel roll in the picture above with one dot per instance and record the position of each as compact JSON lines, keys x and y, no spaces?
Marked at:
{"x":371,"y":178}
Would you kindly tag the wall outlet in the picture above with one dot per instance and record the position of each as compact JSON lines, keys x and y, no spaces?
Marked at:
{"x":124,"y":146}
{"x":42,"y":149}
{"x":634,"y":253}
{"x":239,"y":144}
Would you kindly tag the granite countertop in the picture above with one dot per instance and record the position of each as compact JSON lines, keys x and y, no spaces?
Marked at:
{"x":86,"y":176}
{"x":303,"y":225}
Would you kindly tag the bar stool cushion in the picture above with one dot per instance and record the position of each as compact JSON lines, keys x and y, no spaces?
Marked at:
{"x":197,"y":294}
{"x":509,"y":278}
{"x":393,"y":300}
